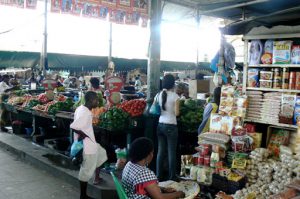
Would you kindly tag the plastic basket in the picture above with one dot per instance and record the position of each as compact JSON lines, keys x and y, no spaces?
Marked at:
{"x":235,"y":186}
{"x":220,"y":183}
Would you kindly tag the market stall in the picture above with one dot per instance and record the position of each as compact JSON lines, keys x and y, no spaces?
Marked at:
{"x":47,"y":122}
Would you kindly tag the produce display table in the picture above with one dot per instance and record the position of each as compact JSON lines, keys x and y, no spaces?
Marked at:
{"x":108,"y":138}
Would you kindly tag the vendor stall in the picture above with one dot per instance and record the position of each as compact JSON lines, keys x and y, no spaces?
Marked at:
{"x":47,"y":122}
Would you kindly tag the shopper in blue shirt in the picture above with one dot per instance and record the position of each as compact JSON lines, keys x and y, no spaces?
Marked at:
{"x":211,"y":107}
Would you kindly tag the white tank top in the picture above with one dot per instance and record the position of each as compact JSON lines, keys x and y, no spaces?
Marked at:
{"x":168,"y":116}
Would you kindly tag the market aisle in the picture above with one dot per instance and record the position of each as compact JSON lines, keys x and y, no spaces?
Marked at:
{"x":19,"y":180}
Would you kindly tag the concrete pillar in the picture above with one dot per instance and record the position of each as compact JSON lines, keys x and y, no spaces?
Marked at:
{"x":154,"y":49}
{"x":153,"y":72}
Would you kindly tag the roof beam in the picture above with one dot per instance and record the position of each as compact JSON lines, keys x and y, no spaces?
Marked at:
{"x":181,"y":3}
{"x":232,"y":6}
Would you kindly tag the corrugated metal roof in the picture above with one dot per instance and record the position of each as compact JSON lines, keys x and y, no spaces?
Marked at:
{"x":246,"y":14}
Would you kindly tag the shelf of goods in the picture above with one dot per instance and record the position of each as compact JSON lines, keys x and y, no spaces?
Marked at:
{"x":277,"y":124}
{"x":260,"y":75}
{"x":274,"y":66}
{"x":273,"y":90}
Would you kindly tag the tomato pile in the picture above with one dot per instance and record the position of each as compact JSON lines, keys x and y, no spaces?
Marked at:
{"x":134,"y":107}
{"x":43,"y":98}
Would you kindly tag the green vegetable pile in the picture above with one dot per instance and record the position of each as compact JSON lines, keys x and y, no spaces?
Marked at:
{"x":61,"y":106}
{"x":32,"y":104}
{"x":191,"y":115}
{"x":20,"y":93}
{"x":114,"y":119}
{"x":82,"y":101}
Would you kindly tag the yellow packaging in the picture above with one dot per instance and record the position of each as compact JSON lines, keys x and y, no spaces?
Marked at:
{"x":239,"y":163}
{"x":234,"y":177}
{"x":251,"y":196}
{"x":257,"y":139}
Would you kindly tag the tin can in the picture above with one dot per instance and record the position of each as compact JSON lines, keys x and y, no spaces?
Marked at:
{"x":277,"y":83}
{"x":285,"y":79}
{"x":297,"y":86}
{"x":207,"y":161}
{"x":292,"y":83}
{"x":293,"y":75}
{"x":205,"y":149}
{"x":277,"y":74}
{"x":200,"y":160}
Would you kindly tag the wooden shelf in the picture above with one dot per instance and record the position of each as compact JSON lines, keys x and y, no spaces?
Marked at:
{"x":273,"y":90}
{"x":273,"y":124}
{"x":275,"y":66}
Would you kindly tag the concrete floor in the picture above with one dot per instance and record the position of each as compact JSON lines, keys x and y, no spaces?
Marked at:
{"x":20,"y":180}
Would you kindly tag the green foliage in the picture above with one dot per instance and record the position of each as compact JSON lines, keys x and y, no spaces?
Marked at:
{"x":191,"y":115}
{"x":114,"y":119}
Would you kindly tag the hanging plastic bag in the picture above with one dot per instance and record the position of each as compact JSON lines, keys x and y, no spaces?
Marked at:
{"x":229,"y":56}
{"x":76,"y":147}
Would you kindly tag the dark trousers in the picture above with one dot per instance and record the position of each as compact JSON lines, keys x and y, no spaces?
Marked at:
{"x":167,"y":135}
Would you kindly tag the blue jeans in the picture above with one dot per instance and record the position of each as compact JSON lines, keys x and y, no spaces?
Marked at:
{"x":167,"y":135}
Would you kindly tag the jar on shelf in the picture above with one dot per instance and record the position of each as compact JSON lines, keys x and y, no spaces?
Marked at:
{"x":292,"y":81}
{"x":285,"y":78}
{"x":277,"y":79}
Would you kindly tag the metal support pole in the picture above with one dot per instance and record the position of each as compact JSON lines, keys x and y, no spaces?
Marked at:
{"x":110,"y":43}
{"x":198,"y":31}
{"x":154,"y":50}
{"x":44,"y":57}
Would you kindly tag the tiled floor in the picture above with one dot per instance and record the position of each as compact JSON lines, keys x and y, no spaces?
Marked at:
{"x":20,"y":180}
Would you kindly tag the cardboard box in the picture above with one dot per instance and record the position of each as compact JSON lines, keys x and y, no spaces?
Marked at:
{"x":200,"y":86}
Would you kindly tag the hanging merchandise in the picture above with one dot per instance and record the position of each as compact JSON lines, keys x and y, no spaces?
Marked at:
{"x":229,"y":55}
{"x":256,"y":49}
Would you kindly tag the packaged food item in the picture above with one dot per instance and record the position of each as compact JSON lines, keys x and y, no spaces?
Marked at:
{"x":297,"y":111}
{"x":207,"y":161}
{"x":266,"y":58}
{"x":265,"y":83}
{"x":287,"y":105}
{"x":227,"y":91}
{"x":297,"y":86}
{"x":286,"y":194}
{"x":257,"y":139}
{"x":226,"y":101}
{"x":223,"y":124}
{"x":253,"y":77}
{"x":240,"y":112}
{"x":292,"y":80}
{"x":282,"y":52}
{"x":285,"y":78}
{"x":268,"y":48}
{"x":249,"y":93}
{"x":266,"y":75}
{"x":278,"y":137}
{"x":277,"y":79}
{"x":193,"y":173}
{"x":256,"y":49}
{"x":217,"y":138}
{"x":205,"y":149}
{"x":292,"y":84}
{"x":250,"y":128}
{"x":295,"y":57}
{"x":277,"y":73}
{"x":277,"y":84}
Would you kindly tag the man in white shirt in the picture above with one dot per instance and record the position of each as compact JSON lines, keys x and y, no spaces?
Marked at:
{"x":138,"y":83}
{"x":4,"y":88}
{"x":4,"y":85}
{"x":93,"y":154}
